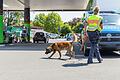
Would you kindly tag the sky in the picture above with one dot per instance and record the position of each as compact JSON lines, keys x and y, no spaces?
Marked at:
{"x":65,"y":15}
{"x":109,"y":4}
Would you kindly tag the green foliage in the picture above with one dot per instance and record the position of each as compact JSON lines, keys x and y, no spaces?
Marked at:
{"x":90,"y":5}
{"x":14,"y":18}
{"x":78,"y":28}
{"x":53,"y":22}
{"x":66,"y":29}
{"x":49,"y":23}
{"x":74,"y":22}
{"x":40,"y":20}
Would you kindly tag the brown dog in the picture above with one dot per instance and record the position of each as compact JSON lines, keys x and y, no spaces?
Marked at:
{"x":58,"y":47}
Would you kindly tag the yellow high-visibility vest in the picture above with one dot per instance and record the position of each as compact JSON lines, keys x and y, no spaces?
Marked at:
{"x":94,"y":23}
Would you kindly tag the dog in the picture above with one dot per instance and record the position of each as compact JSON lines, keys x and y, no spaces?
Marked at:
{"x":58,"y":46}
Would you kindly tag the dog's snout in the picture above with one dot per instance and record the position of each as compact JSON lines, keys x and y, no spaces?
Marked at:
{"x":47,"y":50}
{"x":46,"y":53}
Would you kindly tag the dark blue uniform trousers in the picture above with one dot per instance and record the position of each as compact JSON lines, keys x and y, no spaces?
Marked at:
{"x":94,"y":39}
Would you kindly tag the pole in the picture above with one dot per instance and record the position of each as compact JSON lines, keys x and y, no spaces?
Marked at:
{"x":27,"y":18}
{"x":1,"y":22}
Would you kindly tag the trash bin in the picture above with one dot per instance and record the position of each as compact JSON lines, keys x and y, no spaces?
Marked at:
{"x":76,"y":49}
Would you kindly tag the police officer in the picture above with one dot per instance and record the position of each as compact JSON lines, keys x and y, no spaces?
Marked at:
{"x":94,"y":28}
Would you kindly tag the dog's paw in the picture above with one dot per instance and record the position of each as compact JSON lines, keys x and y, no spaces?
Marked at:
{"x":69,"y":58}
{"x":59,"y":58}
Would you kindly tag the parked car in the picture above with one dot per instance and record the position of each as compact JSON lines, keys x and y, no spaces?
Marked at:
{"x":40,"y":36}
{"x":110,"y":35}
{"x":53,"y":36}
{"x":68,"y":36}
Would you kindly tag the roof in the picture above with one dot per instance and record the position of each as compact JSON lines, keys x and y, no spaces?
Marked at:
{"x":46,"y":4}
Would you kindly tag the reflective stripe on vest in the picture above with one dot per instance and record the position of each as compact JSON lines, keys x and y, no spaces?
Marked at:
{"x":93,"y":23}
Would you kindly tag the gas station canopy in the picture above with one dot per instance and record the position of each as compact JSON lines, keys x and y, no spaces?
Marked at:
{"x":46,"y":4}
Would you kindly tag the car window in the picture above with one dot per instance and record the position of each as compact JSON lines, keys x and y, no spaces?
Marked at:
{"x":39,"y":34}
{"x":111,"y":19}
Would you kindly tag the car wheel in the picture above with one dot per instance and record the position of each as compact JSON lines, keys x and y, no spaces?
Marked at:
{"x":33,"y":41}
{"x":45,"y":41}
{"x":37,"y":41}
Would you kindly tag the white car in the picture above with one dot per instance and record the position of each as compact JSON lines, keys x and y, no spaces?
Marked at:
{"x":53,"y":36}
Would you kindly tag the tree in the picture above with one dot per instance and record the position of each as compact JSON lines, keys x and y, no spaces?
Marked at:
{"x":74,"y":22}
{"x":15,"y":18}
{"x":19,"y":15}
{"x":78,"y":28}
{"x":66,"y":29}
{"x":53,"y":22}
{"x":5,"y":18}
{"x":40,"y":20}
{"x":90,"y":5}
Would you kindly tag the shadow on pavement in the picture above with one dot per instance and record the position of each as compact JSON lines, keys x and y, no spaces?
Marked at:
{"x":75,"y":64}
{"x":54,"y":58}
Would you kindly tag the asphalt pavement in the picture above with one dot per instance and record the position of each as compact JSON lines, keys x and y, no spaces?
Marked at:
{"x":35,"y":65}
{"x":25,"y":46}
{"x":29,"y":62}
